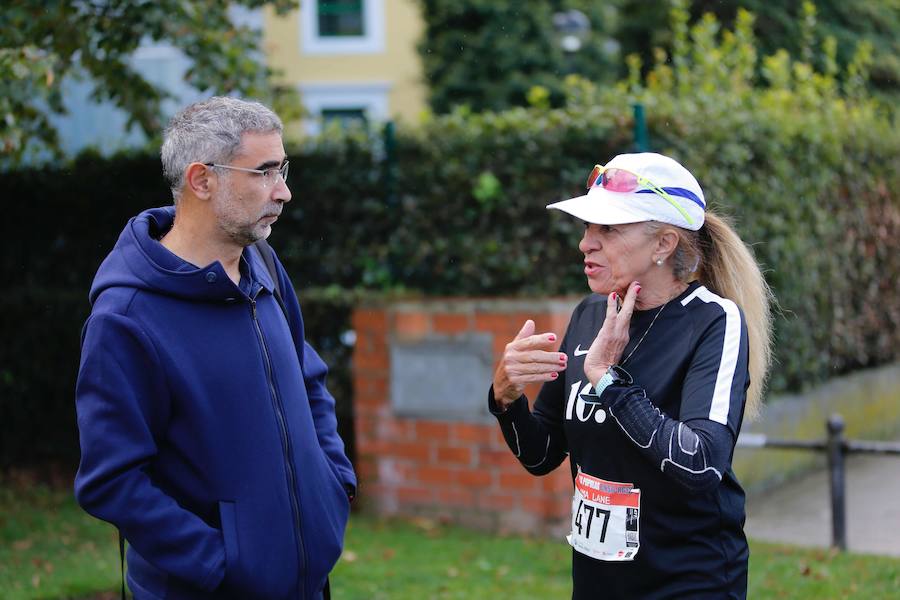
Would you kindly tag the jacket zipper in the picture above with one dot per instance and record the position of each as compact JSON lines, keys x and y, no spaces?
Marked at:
{"x":286,"y":446}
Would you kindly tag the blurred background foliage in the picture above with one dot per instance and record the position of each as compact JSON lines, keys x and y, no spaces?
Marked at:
{"x":795,"y":27}
{"x":487,"y":54}
{"x":802,"y":153}
{"x":42,"y":43}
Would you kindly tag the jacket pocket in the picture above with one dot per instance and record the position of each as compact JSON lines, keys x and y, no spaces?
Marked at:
{"x":342,"y":499}
{"x":228,"y":515}
{"x":145,"y":580}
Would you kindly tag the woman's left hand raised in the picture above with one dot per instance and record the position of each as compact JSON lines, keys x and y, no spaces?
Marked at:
{"x":607,"y":348}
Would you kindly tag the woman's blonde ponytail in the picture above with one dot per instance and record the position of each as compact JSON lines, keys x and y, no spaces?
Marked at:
{"x":728,"y":267}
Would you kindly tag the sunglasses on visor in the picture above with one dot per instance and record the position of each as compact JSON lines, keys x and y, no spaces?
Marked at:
{"x":622,"y":181}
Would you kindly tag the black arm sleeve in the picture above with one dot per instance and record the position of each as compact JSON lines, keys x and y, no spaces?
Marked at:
{"x":535,"y":438}
{"x":693,"y":453}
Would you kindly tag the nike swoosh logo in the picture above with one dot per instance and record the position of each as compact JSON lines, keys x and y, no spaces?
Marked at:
{"x":579,"y":351}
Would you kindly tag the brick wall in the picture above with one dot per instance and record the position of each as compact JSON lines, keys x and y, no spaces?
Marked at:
{"x":457,"y":469}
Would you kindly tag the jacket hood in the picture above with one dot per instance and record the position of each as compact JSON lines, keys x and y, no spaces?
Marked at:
{"x":139,"y":261}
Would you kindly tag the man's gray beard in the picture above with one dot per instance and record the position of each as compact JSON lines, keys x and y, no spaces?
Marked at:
{"x":243,"y":235}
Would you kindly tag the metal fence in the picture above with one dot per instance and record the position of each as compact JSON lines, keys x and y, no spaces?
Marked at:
{"x":836,"y":448}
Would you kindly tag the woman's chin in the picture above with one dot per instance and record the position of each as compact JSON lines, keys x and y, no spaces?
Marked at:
{"x":604,"y":289}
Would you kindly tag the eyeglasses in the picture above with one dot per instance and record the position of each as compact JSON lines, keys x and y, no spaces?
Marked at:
{"x":269,"y":176}
{"x":623,"y":181}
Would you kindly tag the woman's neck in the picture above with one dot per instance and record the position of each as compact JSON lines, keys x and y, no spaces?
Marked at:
{"x":652,"y":296}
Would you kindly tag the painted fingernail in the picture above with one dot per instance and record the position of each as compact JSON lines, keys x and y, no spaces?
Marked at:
{"x":563,"y":358}
{"x":615,"y":296}
{"x":637,"y":290}
{"x":554,"y":375}
{"x":552,"y":338}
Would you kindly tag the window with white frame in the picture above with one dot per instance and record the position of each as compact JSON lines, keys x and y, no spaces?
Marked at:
{"x":342,"y":26}
{"x":345,"y":103}
{"x":340,"y":18}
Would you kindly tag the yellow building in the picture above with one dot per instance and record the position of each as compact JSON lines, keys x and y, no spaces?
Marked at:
{"x":350,"y":59}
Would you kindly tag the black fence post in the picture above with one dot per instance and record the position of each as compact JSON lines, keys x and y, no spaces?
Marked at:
{"x":836,"y":471}
{"x":837,"y":447}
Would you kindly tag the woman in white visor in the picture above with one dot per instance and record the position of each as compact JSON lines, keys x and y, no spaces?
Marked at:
{"x":647,"y":392}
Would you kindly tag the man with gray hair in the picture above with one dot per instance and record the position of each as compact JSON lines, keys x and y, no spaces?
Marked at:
{"x":208,"y":437}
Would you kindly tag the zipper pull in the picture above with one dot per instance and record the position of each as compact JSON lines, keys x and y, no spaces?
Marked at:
{"x":253,"y":308}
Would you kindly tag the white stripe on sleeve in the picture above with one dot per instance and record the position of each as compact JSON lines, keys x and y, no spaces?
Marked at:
{"x":721,"y":401}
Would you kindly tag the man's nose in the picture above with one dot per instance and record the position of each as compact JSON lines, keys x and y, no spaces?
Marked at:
{"x":281,"y":192}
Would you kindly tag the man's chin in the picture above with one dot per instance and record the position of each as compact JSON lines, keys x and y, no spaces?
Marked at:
{"x":261,"y":232}
{"x":252,"y":236}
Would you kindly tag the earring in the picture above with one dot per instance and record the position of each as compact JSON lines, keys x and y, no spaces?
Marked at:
{"x":659,"y":262}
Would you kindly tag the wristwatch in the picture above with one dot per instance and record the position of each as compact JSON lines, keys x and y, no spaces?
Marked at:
{"x":614,"y":375}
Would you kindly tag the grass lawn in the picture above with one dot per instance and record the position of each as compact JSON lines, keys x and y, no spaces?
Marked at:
{"x":50,"y":549}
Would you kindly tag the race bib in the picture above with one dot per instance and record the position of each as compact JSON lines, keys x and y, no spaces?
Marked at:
{"x":605,"y":518}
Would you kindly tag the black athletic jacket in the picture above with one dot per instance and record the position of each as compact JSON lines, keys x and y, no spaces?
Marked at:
{"x":671,"y":434}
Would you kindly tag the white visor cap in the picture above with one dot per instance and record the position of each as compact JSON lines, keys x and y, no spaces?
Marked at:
{"x":605,"y":207}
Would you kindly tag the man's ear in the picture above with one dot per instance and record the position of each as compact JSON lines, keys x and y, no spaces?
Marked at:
{"x":198,"y":179}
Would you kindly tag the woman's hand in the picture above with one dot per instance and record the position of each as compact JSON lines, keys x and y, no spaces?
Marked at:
{"x":529,"y":358}
{"x":613,"y":337}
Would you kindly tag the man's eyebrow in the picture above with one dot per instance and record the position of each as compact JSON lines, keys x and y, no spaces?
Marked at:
{"x":271,"y":164}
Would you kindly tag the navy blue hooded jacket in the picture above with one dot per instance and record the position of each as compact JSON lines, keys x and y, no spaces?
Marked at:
{"x":208,"y":436}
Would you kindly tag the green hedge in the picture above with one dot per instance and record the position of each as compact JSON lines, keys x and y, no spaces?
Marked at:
{"x":455,"y":206}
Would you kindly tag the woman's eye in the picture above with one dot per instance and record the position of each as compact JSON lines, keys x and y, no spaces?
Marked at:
{"x":606,"y":229}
